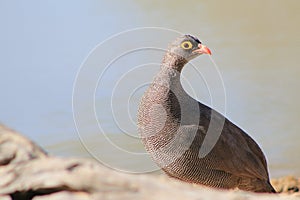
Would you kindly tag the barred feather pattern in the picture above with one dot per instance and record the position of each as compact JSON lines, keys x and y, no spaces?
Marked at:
{"x":173,"y":125}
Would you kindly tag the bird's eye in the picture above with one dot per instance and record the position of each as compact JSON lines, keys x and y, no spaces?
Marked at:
{"x":186,"y":45}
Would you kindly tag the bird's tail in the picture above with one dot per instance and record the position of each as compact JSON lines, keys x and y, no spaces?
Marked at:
{"x":257,"y":185}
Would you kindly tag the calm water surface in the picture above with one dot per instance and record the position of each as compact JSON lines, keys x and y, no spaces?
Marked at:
{"x":255,"y":44}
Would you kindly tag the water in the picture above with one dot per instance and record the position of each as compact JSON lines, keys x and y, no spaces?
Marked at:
{"x":255,"y":45}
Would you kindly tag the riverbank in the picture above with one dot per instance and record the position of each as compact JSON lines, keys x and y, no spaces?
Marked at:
{"x":28,"y":172}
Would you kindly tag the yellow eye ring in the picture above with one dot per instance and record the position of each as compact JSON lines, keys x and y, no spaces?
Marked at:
{"x":186,"y":45}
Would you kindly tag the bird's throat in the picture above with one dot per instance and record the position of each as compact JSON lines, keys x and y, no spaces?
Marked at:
{"x":173,"y":61}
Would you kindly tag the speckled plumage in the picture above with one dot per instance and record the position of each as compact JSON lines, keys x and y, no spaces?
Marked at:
{"x":173,"y":126}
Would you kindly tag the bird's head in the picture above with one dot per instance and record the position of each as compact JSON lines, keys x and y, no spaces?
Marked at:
{"x":188,"y":47}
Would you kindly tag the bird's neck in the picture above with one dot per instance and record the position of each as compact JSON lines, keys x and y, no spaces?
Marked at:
{"x":173,"y":61}
{"x":168,"y":79}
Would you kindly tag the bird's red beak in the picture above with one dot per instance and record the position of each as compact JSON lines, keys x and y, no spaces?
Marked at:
{"x":203,"y":49}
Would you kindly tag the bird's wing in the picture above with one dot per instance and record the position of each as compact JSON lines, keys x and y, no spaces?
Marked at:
{"x":234,"y":152}
{"x":240,"y":153}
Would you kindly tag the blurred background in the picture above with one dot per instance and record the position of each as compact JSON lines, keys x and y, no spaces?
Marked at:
{"x":256,"y":45}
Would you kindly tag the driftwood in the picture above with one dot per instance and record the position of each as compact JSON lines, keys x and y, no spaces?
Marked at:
{"x":27,"y":172}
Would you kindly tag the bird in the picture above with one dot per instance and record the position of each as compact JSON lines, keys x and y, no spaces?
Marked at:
{"x":189,"y":140}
